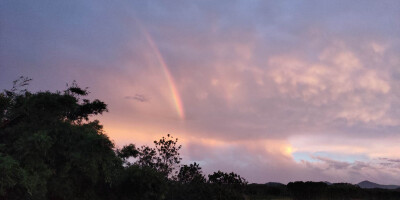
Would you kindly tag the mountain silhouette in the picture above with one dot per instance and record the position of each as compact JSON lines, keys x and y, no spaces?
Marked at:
{"x":274,"y":184}
{"x":369,"y":185}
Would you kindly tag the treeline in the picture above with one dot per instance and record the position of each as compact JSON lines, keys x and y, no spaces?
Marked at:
{"x":318,"y":191}
{"x":49,"y":149}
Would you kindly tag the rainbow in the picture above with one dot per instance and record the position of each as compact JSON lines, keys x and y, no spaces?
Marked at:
{"x":172,"y":86}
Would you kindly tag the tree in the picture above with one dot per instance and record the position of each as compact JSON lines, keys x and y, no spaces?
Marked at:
{"x":307,"y":190}
{"x":190,"y":184}
{"x":191,"y":174}
{"x":144,"y":183}
{"x":227,"y":185}
{"x":164,"y":158}
{"x":127,"y":152}
{"x":147,"y":157}
{"x":12,"y":177}
{"x":168,"y":155}
{"x":50,"y":149}
{"x":222,"y":178}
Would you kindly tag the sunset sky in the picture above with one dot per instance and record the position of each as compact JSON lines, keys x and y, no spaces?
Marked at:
{"x":272,"y":90}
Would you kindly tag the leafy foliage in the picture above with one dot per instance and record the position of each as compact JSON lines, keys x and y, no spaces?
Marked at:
{"x":222,"y":178}
{"x":164,"y":158}
{"x":227,"y":185}
{"x":307,"y":190}
{"x":46,"y":149}
{"x":169,"y":156}
{"x":147,"y":157}
{"x":127,"y":152}
{"x":12,"y":176}
{"x":191,"y":174}
{"x":143,"y":183}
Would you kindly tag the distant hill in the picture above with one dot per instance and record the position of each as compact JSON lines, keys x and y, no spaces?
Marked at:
{"x":328,"y":183}
{"x":370,"y":185}
{"x":274,"y":184}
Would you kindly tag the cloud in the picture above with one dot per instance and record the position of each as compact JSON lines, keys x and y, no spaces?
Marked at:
{"x":138,"y":97}
{"x":260,"y":81}
{"x":390,"y":163}
{"x":337,"y":165}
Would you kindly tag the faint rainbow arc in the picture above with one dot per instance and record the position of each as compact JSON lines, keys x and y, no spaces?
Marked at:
{"x":172,"y":86}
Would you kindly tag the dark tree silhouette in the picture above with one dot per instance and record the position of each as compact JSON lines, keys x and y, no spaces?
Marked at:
{"x":191,"y":174}
{"x":168,"y":155}
{"x":222,"y":178}
{"x":127,"y":152}
{"x":227,"y":185}
{"x":49,"y":149}
{"x":164,"y":158}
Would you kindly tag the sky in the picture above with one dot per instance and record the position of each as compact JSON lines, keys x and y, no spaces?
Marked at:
{"x":272,"y":90}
